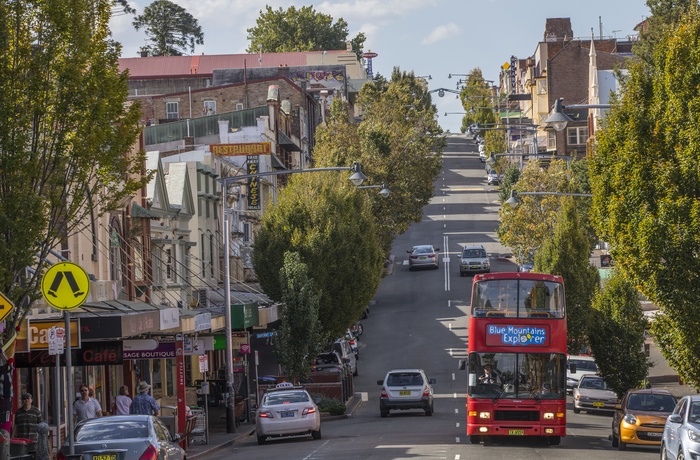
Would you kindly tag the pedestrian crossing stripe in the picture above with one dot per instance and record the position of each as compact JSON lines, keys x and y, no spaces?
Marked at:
{"x":65,"y":285}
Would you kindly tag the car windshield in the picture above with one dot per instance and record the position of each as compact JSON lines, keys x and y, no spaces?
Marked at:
{"x":524,"y":298}
{"x":285,"y":397}
{"x":694,"y":415}
{"x":404,"y":379}
{"x":473,"y":253}
{"x":651,"y":402}
{"x":593,"y":383}
{"x":328,"y":358}
{"x":584,"y":365}
{"x":111,"y":431}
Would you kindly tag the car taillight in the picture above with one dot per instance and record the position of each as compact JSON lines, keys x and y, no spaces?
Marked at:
{"x":265,"y":415}
{"x":60,"y":456}
{"x":308,"y":410}
{"x":426,"y":391}
{"x":431,"y":256}
{"x":384,"y":393}
{"x":150,"y":454}
{"x":414,"y":257}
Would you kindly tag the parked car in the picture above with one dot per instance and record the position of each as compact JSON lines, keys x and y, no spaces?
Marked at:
{"x":354,"y":343}
{"x":681,"y":438}
{"x":641,"y":417}
{"x":593,"y":394}
{"x":576,"y":366}
{"x":138,"y":437}
{"x":474,"y":259}
{"x":287,"y":410}
{"x":343,"y":348}
{"x":329,"y":362}
{"x":482,"y":155}
{"x":405,"y":389}
{"x":492,"y":177}
{"x":526,"y":267}
{"x":424,"y":255}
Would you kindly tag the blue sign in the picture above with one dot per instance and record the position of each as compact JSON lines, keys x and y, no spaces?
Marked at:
{"x":516,"y":335}
{"x":262,"y":335}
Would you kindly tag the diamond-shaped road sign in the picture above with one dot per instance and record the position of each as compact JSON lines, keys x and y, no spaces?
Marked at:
{"x":5,"y":306}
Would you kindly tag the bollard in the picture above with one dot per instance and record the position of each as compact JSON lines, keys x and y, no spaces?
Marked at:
{"x":42,"y":442}
{"x":4,"y":445}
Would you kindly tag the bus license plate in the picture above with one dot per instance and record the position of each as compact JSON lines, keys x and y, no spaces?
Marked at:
{"x":598,"y":404}
{"x":405,"y":393}
{"x":516,"y":432}
{"x":105,"y":457}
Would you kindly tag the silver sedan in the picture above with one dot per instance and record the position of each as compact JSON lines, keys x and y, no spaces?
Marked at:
{"x":287,"y":410}
{"x":593,"y":394}
{"x":424,"y":255}
{"x":681,"y":438}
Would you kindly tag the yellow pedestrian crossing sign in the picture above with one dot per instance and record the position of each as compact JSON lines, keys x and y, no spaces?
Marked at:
{"x":6,"y":306}
{"x":65,"y":285}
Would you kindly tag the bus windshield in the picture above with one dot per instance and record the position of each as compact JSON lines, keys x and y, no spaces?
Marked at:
{"x":517,"y":375}
{"x":517,"y":298}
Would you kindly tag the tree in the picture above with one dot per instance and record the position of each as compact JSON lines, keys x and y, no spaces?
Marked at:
{"x":616,"y":335}
{"x":304,"y":29}
{"x":398,"y":143}
{"x":324,"y":218}
{"x":566,"y":253}
{"x":645,"y":177}
{"x":478,"y":99}
{"x":299,"y":336}
{"x":171,"y":30}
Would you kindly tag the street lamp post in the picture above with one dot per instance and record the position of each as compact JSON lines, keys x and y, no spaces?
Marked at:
{"x":513,"y":201}
{"x":384,"y":190}
{"x":558,"y":119}
{"x":356,"y":178}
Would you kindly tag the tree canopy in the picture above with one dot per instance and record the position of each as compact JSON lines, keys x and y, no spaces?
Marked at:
{"x":646,"y":178}
{"x":324,"y":218}
{"x":302,"y":29}
{"x":66,"y":133}
{"x":170,"y":29}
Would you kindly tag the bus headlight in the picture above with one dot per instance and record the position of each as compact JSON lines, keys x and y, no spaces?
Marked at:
{"x":484,"y":414}
{"x":549,"y":431}
{"x":483,"y":429}
{"x":548,"y":415}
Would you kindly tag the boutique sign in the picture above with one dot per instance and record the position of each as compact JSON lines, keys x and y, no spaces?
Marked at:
{"x":510,"y":335}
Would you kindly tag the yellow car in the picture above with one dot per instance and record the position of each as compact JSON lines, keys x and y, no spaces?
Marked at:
{"x":641,"y":417}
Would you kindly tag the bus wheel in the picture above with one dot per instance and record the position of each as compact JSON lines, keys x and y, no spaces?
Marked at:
{"x":474,"y":439}
{"x":554,"y":440}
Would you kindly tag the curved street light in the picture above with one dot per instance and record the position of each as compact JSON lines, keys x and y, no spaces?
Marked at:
{"x":384,"y":190}
{"x":558,"y":119}
{"x":513,"y":201}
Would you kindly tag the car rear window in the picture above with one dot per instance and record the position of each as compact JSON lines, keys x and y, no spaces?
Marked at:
{"x":286,"y":397}
{"x":328,"y":358}
{"x":423,"y":250}
{"x":584,"y":365}
{"x":112,"y":431}
{"x":404,"y":379}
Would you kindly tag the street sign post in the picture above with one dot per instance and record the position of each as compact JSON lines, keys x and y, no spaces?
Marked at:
{"x":6,"y":306}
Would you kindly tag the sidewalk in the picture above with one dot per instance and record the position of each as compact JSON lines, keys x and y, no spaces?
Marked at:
{"x":219,"y":439}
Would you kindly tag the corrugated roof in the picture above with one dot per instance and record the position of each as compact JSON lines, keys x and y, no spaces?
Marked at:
{"x":160,"y":66}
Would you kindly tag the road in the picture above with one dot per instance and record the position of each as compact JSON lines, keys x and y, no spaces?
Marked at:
{"x":420,"y":320}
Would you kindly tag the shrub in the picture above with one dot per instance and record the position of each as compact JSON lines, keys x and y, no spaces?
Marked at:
{"x":330,"y":405}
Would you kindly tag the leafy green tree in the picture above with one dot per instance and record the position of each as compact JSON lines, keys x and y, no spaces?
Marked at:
{"x":398,"y":142}
{"x":302,"y":29}
{"x":299,"y":336}
{"x":566,"y":253}
{"x":644,"y":175}
{"x":616,"y":334}
{"x":171,"y":30}
{"x":324,"y":218}
{"x":120,"y":7}
{"x":665,"y":16}
{"x":66,"y":133}
{"x":525,"y":227}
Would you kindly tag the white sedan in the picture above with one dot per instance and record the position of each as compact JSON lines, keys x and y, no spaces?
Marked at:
{"x":287,"y":410}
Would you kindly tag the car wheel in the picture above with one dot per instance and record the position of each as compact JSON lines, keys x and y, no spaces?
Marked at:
{"x":577,"y":410}
{"x":357,"y":356}
{"x":474,"y":439}
{"x":429,"y":410}
{"x":354,"y":374}
{"x":664,"y":454}
{"x":383,"y":412}
{"x":621,"y":445}
{"x":681,"y":455}
{"x":261,"y":440}
{"x":614,"y":440}
{"x":316,"y":434}
{"x":554,"y":440}
{"x":365,"y":314}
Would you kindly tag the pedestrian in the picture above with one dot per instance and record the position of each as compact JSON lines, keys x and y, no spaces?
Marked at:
{"x":26,"y":419}
{"x":122,"y":402}
{"x":143,"y":403}
{"x":86,"y":407}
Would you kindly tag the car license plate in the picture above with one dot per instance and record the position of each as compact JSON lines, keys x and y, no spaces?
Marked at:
{"x":287,"y":414}
{"x":422,"y":257}
{"x":598,"y":404}
{"x":516,"y":432}
{"x":105,"y":457}
{"x":652,"y":434}
{"x":405,"y":393}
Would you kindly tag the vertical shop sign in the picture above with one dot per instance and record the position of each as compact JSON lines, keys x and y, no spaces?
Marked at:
{"x":513,"y":83}
{"x":253,"y":162}
{"x":180,"y":364}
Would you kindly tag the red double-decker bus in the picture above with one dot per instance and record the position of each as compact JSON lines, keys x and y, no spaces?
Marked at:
{"x":516,"y":365}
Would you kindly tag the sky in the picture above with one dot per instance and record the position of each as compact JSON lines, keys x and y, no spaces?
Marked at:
{"x":428,"y":37}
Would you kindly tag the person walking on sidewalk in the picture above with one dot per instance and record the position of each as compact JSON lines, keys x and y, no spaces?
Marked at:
{"x":143,"y":403}
{"x":86,"y":407}
{"x":122,"y":403}
{"x":26,"y":419}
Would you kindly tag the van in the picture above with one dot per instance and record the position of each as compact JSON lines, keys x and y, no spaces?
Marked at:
{"x":343,"y":348}
{"x":576,"y":366}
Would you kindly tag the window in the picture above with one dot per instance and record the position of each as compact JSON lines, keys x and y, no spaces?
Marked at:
{"x":551,"y":140}
{"x":211,"y":255}
{"x":209,"y":107}
{"x":246,"y":232}
{"x":239,"y":106}
{"x":541,"y":87}
{"x":172,"y":111}
{"x":577,"y":135}
{"x":202,"y":256}
{"x":170,"y":265}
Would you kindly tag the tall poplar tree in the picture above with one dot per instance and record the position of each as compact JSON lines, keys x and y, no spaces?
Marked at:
{"x":171,"y":30}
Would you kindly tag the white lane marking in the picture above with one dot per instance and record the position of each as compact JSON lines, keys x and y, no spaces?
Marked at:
{"x":453,"y":376}
{"x":455,"y":395}
{"x":449,"y":326}
{"x":449,"y":303}
{"x":457,"y":441}
{"x":312,"y":454}
{"x":446,"y":260}
{"x":457,"y":425}
{"x":450,"y":351}
{"x":456,"y":411}
{"x":457,"y":455}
